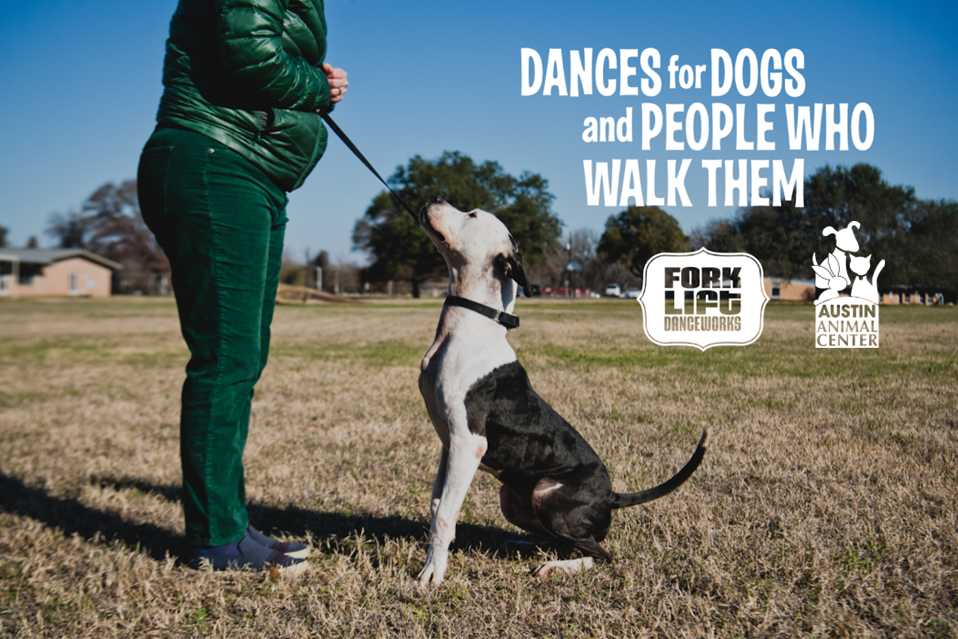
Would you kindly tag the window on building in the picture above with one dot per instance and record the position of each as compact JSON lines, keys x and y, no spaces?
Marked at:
{"x":27,"y":273}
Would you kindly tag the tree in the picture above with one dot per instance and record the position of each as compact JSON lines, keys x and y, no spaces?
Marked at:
{"x":579,"y":246}
{"x":918,"y":239}
{"x":582,"y":247}
{"x":637,"y":234}
{"x":69,"y":230}
{"x":118,"y":232}
{"x":784,"y":237}
{"x":3,"y":236}
{"x":110,"y":224}
{"x":400,"y":250}
{"x":836,"y":196}
{"x":930,"y":249}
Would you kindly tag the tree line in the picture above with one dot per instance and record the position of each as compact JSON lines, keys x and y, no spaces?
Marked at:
{"x":918,"y":239}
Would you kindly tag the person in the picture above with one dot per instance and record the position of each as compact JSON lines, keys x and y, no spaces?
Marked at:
{"x":238,"y":127}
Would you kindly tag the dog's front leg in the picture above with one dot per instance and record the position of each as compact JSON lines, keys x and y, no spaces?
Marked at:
{"x":440,"y":482}
{"x":465,"y":451}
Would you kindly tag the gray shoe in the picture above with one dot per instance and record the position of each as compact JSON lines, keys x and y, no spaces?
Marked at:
{"x":253,"y":556}
{"x":288,"y":548}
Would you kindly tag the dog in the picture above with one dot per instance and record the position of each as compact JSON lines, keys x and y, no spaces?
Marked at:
{"x":487,"y":416}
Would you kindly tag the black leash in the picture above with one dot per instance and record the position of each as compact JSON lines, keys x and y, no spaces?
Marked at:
{"x":358,"y":154}
{"x":507,"y":320}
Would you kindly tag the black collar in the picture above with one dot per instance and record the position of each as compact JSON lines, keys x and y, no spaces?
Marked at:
{"x":509,"y":321}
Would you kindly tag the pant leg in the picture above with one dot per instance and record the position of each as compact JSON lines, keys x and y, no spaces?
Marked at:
{"x":277,"y":235}
{"x":215,"y":214}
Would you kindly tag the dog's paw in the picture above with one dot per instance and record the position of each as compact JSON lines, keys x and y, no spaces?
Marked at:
{"x":565,"y":567}
{"x":435,"y":569}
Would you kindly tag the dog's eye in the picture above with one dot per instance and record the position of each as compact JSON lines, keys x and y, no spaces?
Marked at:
{"x":473,"y":214}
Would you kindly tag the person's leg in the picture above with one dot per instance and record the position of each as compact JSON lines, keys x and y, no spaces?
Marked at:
{"x":214,"y":214}
{"x":274,"y":263}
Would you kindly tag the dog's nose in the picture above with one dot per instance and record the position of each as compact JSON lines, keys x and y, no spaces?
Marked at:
{"x":424,"y":210}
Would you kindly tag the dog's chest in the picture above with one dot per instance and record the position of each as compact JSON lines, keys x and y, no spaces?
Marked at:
{"x":471,"y":349}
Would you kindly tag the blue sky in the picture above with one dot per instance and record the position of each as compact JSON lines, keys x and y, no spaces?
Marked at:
{"x":81,"y":80}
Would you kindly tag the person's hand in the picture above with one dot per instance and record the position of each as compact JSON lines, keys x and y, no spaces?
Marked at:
{"x":337,"y":82}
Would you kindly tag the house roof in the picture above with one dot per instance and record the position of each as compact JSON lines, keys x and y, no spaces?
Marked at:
{"x":791,"y":280}
{"x":49,"y":256}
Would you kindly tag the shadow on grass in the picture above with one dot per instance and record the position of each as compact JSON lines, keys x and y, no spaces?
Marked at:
{"x":73,"y":518}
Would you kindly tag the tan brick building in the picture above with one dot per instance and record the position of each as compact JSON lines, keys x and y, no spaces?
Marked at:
{"x":795,"y":290}
{"x":34,"y":272}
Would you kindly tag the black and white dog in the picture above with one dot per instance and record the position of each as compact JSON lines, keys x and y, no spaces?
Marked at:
{"x":488,"y":417}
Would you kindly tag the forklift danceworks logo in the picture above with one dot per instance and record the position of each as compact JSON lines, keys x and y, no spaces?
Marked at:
{"x":846,"y":311}
{"x":703,"y":299}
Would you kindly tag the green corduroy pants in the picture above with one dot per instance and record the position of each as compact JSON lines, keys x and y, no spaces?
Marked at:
{"x":221,"y":222}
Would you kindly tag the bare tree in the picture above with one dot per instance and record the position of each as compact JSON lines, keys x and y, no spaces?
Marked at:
{"x":69,"y":230}
{"x":110,"y":224}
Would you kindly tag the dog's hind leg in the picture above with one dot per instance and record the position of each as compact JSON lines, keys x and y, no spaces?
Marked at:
{"x":518,"y":511}
{"x":465,"y":451}
{"x":589,"y":547}
{"x":517,"y":508}
{"x":564,"y":566}
{"x":571,"y":515}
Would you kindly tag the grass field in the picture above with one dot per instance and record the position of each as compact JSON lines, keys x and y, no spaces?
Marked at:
{"x":827,"y":505}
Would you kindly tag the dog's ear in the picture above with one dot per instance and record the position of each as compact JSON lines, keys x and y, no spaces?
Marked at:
{"x":512,"y":268}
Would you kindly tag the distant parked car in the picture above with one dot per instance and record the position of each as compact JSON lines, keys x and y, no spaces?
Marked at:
{"x":613,"y":290}
{"x":633,"y":293}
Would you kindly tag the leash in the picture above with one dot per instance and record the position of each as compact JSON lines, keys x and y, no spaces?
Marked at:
{"x":352,"y":147}
{"x":507,"y":320}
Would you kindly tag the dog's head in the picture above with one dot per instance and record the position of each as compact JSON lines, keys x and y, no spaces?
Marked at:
{"x":475,"y":241}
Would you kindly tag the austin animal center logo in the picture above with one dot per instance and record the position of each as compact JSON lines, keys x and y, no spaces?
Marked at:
{"x":703,"y":299}
{"x":846,"y":311}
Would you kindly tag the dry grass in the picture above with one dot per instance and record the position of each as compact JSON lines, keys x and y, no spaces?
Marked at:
{"x":827,"y":504}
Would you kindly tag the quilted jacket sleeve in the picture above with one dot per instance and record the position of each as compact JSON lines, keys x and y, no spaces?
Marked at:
{"x":250,"y":36}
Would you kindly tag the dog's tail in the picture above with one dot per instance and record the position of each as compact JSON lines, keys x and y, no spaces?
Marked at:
{"x":624,"y":500}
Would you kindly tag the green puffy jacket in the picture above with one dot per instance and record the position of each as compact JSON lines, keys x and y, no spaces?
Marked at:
{"x":248,"y":74}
